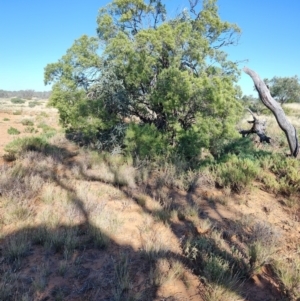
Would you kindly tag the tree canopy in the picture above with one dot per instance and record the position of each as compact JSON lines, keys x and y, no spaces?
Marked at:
{"x":284,"y":89}
{"x":151,"y":82}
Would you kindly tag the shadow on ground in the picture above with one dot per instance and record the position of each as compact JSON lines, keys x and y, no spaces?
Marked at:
{"x":83,"y":262}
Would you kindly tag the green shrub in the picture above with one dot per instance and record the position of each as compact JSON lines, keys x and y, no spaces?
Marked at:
{"x":6,"y":119}
{"x":287,"y":174}
{"x":32,"y":104}
{"x":145,"y":141}
{"x":30,"y":129}
{"x":17,"y":100}
{"x":27,"y":122}
{"x":237,"y":173}
{"x":25,"y":144}
{"x":18,"y":112}
{"x":13,"y":131}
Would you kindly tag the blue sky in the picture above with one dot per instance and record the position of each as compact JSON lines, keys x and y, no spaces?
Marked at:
{"x":34,"y":33}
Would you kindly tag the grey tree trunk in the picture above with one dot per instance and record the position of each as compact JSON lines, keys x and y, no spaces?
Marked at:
{"x":258,"y":127}
{"x":275,"y":107}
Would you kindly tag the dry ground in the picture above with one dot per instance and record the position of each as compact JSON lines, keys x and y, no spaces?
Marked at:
{"x":78,"y":226}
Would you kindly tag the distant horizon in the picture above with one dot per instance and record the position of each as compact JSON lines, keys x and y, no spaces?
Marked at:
{"x":36,"y":34}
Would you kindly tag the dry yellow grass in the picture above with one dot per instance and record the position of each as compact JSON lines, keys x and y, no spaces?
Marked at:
{"x":77,"y":225}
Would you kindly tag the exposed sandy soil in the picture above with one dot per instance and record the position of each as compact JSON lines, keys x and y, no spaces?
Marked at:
{"x":15,"y":113}
{"x":90,"y":273}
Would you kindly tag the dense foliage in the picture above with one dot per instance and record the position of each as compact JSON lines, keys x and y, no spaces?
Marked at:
{"x":151,"y":82}
{"x":284,"y":89}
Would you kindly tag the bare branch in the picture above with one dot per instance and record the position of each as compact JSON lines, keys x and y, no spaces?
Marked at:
{"x":275,"y":107}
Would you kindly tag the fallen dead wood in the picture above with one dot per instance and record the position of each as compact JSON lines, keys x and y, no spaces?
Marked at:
{"x":275,"y":107}
{"x":258,"y":128}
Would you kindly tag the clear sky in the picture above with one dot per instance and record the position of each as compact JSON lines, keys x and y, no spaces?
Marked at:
{"x":34,"y":33}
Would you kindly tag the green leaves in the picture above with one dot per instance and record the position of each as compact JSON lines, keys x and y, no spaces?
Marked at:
{"x":285,"y":89}
{"x":171,"y":77}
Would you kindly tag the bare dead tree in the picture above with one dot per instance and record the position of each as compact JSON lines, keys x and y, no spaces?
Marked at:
{"x":258,"y":127}
{"x":276,"y":109}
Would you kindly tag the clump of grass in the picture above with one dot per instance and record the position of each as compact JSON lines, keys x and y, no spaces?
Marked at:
{"x":204,"y":225}
{"x":41,"y":279}
{"x":154,"y":247}
{"x":221,"y":273}
{"x":166,"y":270}
{"x":9,"y":157}
{"x":288,"y":272}
{"x":62,"y":268}
{"x":16,"y":247}
{"x":174,"y":174}
{"x":122,"y":278}
{"x":162,"y":215}
{"x":13,"y":131}
{"x":98,"y":238}
{"x":61,"y":240}
{"x":21,"y":213}
{"x":141,"y":199}
{"x":191,"y":211}
{"x":261,"y":238}
{"x":6,"y":119}
{"x":27,"y":122}
{"x":48,"y":194}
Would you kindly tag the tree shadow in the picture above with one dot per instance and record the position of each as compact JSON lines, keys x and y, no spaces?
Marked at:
{"x":64,"y":262}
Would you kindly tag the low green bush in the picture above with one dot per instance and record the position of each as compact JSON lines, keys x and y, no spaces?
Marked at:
{"x":32,"y":104}
{"x":236,"y":173}
{"x":145,"y":141}
{"x":17,"y":100}
{"x":18,"y":112}
{"x":27,"y":122}
{"x":13,"y":131}
{"x":30,"y":129}
{"x":287,"y":174}
{"x":26,"y":144}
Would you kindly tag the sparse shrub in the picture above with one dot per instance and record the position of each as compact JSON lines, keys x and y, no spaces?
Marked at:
{"x":27,"y":122}
{"x":17,"y":112}
{"x":287,"y":173}
{"x":32,"y":104}
{"x":141,"y":199}
{"x":17,"y":100}
{"x":13,"y":131}
{"x":43,"y":114}
{"x":6,"y":119}
{"x":30,"y":129}
{"x":26,"y":144}
{"x":162,"y":215}
{"x":215,"y":266}
{"x":288,"y":272}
